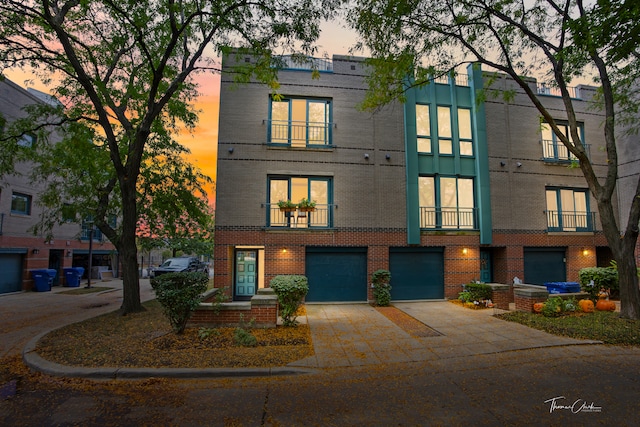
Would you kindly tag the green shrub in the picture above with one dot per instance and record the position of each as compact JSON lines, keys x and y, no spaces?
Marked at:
{"x":179,"y":294}
{"x":244,"y":338}
{"x":290,"y":290}
{"x":552,"y":307}
{"x":478,"y":291}
{"x":602,"y":277}
{"x":465,"y":296}
{"x":381,"y":287}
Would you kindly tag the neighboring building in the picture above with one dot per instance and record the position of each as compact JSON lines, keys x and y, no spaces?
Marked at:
{"x":441,"y":190}
{"x":20,"y":250}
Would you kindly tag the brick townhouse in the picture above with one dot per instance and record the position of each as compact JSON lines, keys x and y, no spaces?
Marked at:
{"x":440,"y":190}
{"x":20,"y":250}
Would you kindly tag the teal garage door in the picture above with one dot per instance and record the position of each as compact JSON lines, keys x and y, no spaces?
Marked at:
{"x":336,"y":274}
{"x":544,"y":265}
{"x":11,"y":273}
{"x":416,"y":273}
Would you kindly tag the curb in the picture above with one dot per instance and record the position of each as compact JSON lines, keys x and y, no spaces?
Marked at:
{"x":34,"y":361}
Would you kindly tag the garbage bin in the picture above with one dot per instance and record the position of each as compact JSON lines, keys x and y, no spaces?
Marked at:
{"x":73,"y":275}
{"x":562,"y":287}
{"x":41,"y":280}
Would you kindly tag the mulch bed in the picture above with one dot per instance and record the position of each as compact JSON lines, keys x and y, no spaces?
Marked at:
{"x":409,"y":324}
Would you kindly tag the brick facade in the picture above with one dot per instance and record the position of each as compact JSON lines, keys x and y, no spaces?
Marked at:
{"x":368,"y":163}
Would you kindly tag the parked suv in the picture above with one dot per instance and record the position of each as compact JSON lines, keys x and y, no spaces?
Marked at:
{"x":178,"y":265}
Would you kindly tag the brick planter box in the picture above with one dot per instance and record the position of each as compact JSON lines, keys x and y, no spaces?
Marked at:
{"x":525,"y":297}
{"x":500,"y":295}
{"x":263,"y":309}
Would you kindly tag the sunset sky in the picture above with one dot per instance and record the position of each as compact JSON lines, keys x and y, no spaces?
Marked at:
{"x":203,"y":142}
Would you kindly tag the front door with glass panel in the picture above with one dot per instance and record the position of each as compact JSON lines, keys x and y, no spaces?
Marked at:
{"x":246,"y":274}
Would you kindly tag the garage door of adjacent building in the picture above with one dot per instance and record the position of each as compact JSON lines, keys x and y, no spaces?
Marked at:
{"x":544,"y":265}
{"x":11,"y":277}
{"x":416,"y":273}
{"x":336,"y":274}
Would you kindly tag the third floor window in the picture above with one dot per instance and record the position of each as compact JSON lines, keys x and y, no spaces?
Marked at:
{"x":300,"y":122}
{"x":553,"y":150}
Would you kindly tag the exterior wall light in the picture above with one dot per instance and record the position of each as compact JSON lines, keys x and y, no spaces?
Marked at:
{"x":35,"y":251}
{"x":465,"y":251}
{"x":366,"y":156}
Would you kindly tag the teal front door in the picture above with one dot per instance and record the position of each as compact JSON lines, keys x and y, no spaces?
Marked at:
{"x":246,"y":274}
{"x":486,"y":275}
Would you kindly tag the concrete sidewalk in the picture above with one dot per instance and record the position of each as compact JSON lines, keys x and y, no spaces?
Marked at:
{"x":344,"y":335}
{"x":358,"y":335}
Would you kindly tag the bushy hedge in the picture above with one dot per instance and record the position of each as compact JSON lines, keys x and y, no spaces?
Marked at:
{"x":381,"y":287}
{"x":290,"y":290}
{"x":602,"y":277}
{"x":475,"y":292}
{"x":179,"y":294}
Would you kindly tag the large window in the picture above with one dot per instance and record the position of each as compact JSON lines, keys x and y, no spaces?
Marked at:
{"x":568,"y":210}
{"x":445,"y":142}
{"x":20,"y":204}
{"x":300,"y":122}
{"x":423,"y":128}
{"x":553,"y":150}
{"x":464,"y":132}
{"x":294,"y":189}
{"x":446,"y":202}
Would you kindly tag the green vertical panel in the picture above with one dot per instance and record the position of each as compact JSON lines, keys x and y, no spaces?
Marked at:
{"x":483,"y":189}
{"x":411,"y":157}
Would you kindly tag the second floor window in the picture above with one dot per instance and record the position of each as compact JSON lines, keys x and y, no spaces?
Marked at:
{"x":294,"y":189}
{"x":568,"y":210}
{"x":446,"y":202}
{"x":300,"y":122}
{"x":21,"y":204}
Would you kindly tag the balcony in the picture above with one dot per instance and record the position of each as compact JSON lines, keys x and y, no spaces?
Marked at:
{"x":448,"y":218}
{"x":555,"y":151}
{"x":299,"y":134}
{"x":320,"y":217}
{"x":571,"y":221}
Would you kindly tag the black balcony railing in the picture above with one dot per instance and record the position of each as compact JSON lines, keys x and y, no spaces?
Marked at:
{"x":299,"y":133}
{"x":448,"y":218}
{"x":320,"y":217}
{"x":571,"y":221}
{"x":556,"y":151}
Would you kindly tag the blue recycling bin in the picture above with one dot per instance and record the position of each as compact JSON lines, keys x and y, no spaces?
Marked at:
{"x":562,"y":287}
{"x":73,"y":275}
{"x":41,"y":280}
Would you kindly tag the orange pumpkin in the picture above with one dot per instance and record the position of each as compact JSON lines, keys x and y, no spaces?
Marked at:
{"x":586,"y":305}
{"x":606,"y":305}
{"x":537,"y":307}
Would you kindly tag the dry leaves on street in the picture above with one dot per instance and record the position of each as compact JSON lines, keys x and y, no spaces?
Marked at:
{"x":146,"y":340}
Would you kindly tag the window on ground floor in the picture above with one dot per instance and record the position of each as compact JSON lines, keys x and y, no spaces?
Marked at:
{"x":446,"y":202}
{"x":568,"y":210}
{"x":314,"y":189}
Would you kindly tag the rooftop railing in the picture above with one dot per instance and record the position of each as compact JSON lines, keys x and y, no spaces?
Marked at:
{"x":299,"y":62}
{"x":545,"y":90}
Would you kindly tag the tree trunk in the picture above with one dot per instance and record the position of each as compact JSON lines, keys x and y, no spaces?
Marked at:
{"x":623,"y":252}
{"x":128,"y":250}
